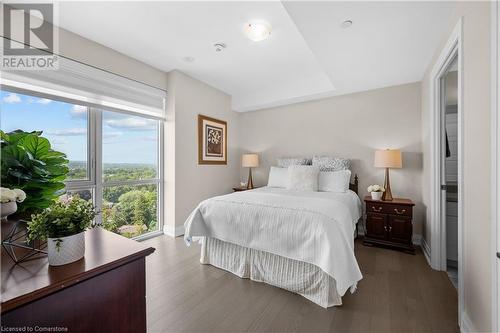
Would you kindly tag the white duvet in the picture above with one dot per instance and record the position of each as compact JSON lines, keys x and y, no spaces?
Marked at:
{"x":314,"y":227}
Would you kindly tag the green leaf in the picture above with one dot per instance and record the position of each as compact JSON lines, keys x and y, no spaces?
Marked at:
{"x":28,"y":162}
{"x":37,"y":146}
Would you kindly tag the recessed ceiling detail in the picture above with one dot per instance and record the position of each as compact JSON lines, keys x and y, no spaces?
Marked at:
{"x":307,"y":55}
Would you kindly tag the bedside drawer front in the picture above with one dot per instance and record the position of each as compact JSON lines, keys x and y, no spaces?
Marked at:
{"x":386,"y":208}
{"x":399,"y":210}
{"x":372,"y":207}
{"x":376,"y":225}
{"x":400,"y":229}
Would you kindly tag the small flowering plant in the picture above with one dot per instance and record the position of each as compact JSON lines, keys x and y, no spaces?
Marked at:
{"x":68,"y":216}
{"x":375,"y":188}
{"x":14,"y":195}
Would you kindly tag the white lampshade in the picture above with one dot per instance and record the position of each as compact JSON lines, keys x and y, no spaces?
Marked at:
{"x":389,"y":158}
{"x":250,"y":160}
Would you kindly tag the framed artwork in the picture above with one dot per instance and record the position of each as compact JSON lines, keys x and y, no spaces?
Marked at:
{"x":212,"y":140}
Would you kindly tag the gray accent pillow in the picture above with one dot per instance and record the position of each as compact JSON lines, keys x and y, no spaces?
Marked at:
{"x":329,"y":163}
{"x":289,"y":161}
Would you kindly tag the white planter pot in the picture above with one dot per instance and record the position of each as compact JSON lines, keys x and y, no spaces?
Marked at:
{"x":8,"y":208}
{"x":71,"y":248}
{"x":377,"y":195}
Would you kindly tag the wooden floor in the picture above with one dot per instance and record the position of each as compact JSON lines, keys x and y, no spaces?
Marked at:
{"x":399,"y":293}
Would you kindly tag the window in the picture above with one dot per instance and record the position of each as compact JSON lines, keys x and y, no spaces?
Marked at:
{"x":114,"y":158}
{"x":130,"y":175}
{"x":129,"y":147}
{"x":66,"y":126}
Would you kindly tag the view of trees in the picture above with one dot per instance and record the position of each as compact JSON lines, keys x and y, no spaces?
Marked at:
{"x":127,"y":210}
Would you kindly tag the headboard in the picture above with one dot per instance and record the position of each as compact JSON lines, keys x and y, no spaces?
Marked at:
{"x":354,"y":186}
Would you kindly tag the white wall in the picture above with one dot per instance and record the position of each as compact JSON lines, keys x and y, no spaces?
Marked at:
{"x":351,"y":126}
{"x":477,"y":154}
{"x":191,"y":183}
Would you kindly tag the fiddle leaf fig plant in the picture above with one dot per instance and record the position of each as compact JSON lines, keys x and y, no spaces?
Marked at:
{"x":30,"y":164}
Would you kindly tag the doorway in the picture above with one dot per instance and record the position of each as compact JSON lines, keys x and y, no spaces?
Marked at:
{"x":446,"y":172}
{"x":449,"y":160}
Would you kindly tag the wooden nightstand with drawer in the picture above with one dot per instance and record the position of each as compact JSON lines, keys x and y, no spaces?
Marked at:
{"x":389,"y":223}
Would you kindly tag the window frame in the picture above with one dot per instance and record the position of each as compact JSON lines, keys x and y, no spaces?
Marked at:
{"x":158,"y":181}
{"x":95,"y":182}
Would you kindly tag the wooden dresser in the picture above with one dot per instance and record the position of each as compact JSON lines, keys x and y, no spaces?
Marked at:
{"x":389,"y":223}
{"x":103,"y":292}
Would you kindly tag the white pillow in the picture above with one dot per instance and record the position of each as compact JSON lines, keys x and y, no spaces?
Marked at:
{"x":334,"y":181}
{"x":328,"y":163}
{"x":278,"y":177}
{"x":289,"y":161}
{"x":303,"y":178}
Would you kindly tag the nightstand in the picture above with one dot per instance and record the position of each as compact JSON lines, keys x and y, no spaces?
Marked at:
{"x":389,"y":223}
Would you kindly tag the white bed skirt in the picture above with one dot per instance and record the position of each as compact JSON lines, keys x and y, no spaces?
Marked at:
{"x":296,"y":276}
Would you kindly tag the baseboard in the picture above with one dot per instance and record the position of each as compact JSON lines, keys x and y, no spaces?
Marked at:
{"x":427,"y":251}
{"x":417,"y":240}
{"x":173,"y":231}
{"x":466,"y":324}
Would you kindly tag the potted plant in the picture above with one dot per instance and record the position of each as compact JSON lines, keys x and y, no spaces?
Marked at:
{"x":9,"y":199}
{"x":63,"y":224}
{"x":376,"y":191}
{"x":29,"y":163}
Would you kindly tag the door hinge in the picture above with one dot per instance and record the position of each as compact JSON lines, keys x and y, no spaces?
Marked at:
{"x":444,"y":187}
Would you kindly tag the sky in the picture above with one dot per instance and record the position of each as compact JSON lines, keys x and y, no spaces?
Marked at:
{"x":126,"y":139}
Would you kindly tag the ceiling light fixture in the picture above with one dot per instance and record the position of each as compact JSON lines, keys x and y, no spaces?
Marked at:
{"x":346,"y":24}
{"x":257,"y":31}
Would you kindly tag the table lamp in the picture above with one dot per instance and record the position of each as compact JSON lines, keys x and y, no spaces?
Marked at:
{"x":250,"y":161}
{"x":388,"y":159}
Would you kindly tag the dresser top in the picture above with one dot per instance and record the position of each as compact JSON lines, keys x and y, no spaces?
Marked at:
{"x":395,"y":201}
{"x":34,"y":279}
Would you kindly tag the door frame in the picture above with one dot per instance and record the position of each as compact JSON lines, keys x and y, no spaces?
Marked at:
{"x":452,"y":48}
{"x":495,"y":164}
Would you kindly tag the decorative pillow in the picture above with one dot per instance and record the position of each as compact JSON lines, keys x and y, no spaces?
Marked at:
{"x":303,"y":178}
{"x":278,"y":177}
{"x":334,"y":181}
{"x":286,"y":162}
{"x":328,"y":163}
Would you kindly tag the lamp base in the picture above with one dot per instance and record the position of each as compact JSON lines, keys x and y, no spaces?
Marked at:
{"x":387,"y":196}
{"x":250,"y":181}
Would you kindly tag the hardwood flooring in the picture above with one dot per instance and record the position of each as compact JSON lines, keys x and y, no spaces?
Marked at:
{"x":399,"y":293}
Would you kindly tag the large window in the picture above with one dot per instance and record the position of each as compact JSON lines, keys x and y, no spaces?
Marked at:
{"x":65,"y":125}
{"x":130,"y":173}
{"x":114,"y":158}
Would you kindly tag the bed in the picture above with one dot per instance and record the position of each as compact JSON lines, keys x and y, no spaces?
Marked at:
{"x":296,"y":240}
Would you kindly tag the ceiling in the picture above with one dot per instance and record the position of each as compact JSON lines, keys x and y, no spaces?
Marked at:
{"x":307,"y":56}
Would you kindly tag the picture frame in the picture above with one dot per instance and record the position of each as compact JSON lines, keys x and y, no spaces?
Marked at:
{"x":212,"y":141}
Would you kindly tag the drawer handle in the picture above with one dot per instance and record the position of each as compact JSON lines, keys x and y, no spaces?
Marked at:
{"x":377,"y":209}
{"x":399,"y":211}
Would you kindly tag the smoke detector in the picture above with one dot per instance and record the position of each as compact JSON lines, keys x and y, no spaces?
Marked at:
{"x":219,"y":47}
{"x":346,"y":24}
